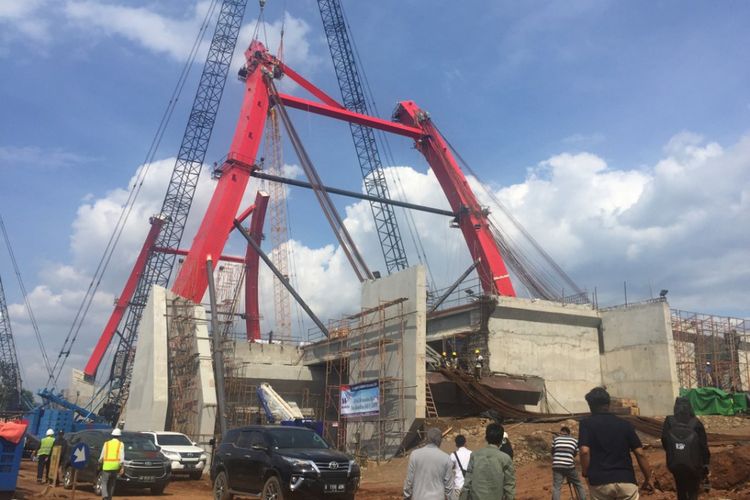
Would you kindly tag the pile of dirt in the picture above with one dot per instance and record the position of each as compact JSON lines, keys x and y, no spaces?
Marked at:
{"x":730,"y":468}
{"x":730,"y":463}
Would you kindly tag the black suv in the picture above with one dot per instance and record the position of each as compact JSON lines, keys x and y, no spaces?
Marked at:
{"x":145,"y":466}
{"x":280,"y":462}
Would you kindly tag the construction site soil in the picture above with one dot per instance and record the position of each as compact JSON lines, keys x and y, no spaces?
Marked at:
{"x":730,"y":464}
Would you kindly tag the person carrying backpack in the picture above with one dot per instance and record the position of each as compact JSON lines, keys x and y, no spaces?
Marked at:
{"x":683,"y":437}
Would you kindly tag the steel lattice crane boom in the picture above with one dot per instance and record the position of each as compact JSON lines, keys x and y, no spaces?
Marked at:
{"x":353,"y":97}
{"x":279,"y":227}
{"x":10,"y":373}
{"x":177,"y":202}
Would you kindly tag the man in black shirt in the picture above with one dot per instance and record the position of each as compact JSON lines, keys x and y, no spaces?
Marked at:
{"x":606,"y":442}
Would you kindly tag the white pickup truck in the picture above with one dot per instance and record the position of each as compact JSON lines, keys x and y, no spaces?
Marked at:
{"x":185,"y":456}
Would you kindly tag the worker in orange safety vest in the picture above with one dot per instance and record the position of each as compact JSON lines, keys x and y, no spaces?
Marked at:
{"x":111,"y":459}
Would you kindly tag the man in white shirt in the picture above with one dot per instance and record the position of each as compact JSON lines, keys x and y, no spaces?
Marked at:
{"x":460,"y":459}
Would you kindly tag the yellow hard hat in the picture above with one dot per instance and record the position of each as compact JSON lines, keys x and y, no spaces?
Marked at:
{"x":454,"y":353}
{"x":445,"y":353}
{"x":476,"y":351}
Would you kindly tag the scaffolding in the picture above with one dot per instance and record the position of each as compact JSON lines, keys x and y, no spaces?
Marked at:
{"x":711,"y":351}
{"x":183,"y":410}
{"x":367,"y":347}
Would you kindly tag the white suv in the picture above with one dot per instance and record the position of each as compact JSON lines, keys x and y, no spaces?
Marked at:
{"x":186,"y":457}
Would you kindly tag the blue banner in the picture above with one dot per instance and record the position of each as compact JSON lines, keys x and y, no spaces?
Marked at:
{"x":360,"y":400}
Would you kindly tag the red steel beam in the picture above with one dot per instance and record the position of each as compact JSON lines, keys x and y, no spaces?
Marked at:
{"x":191,"y":282}
{"x":305,"y":84}
{"x":472,"y":219}
{"x":252,"y":265}
{"x":350,"y":116}
{"x":124,"y":299}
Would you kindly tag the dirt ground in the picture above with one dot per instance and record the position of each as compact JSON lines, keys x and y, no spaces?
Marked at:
{"x":730,"y":465}
{"x":179,"y":488}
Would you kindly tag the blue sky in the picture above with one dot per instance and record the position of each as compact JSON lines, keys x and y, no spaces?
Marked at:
{"x":616,"y":131}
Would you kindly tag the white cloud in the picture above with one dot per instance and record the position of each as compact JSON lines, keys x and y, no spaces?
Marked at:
{"x":153,"y":31}
{"x":174,"y":36}
{"x":35,"y":157}
{"x":674,"y":225}
{"x":23,"y":18}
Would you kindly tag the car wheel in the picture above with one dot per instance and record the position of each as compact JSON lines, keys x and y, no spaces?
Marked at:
{"x":272,"y":489}
{"x":98,"y":485}
{"x":196,"y":475}
{"x":221,"y":487}
{"x":68,"y":478}
{"x":158,"y":490}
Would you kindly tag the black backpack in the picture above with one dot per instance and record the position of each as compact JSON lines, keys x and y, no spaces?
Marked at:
{"x":684,"y":448}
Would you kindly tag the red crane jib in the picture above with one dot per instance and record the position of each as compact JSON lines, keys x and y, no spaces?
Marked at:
{"x":123,"y":300}
{"x":409,"y":121}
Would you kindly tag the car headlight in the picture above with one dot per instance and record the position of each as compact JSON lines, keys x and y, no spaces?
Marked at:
{"x":353,"y":466}
{"x":303,"y":465}
{"x":204,"y":456}
{"x":172,"y":455}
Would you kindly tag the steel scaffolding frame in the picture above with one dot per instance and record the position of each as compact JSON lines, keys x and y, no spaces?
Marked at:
{"x":367,"y":341}
{"x":711,"y":350}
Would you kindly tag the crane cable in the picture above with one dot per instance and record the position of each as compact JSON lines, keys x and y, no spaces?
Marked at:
{"x":536,"y":278}
{"x":30,"y":312}
{"x":130,"y":202}
{"x":382,"y":138}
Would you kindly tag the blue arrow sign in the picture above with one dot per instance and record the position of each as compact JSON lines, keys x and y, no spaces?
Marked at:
{"x":80,"y":456}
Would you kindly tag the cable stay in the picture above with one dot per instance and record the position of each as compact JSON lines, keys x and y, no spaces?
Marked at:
{"x":543,"y":277}
{"x":29,"y":311}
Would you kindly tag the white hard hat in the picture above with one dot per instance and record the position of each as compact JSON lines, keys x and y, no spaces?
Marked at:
{"x":50,"y":432}
{"x":116,"y":432}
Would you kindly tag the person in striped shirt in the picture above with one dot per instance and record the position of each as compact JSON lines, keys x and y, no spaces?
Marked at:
{"x":564,"y":450}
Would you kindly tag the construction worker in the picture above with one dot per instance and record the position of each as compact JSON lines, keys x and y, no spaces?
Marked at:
{"x":478,"y":364}
{"x":111,"y":459}
{"x":444,"y":360}
{"x":42,"y":456}
{"x":454,"y":360}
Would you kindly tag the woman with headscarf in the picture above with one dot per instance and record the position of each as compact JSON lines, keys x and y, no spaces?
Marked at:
{"x":684,"y":439}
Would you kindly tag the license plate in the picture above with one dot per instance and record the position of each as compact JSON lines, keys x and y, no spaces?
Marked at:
{"x":334,"y":488}
{"x":148,"y":479}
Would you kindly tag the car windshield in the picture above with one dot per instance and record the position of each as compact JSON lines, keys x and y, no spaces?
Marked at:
{"x":137,"y":443}
{"x":296,"y":438}
{"x":173,"y":440}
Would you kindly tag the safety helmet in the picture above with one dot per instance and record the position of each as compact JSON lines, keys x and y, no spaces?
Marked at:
{"x":445,"y":353}
{"x":50,"y":432}
{"x":454,"y":353}
{"x":476,"y":351}
{"x":116,"y":432}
